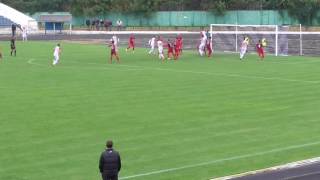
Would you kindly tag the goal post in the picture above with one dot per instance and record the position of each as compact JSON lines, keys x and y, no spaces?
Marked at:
{"x":280,"y":39}
{"x":228,"y":35}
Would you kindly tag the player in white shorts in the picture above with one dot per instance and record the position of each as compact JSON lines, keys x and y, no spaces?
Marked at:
{"x":160,"y":49}
{"x":152,"y":43}
{"x":202,"y":45}
{"x":56,"y":55}
{"x":244,"y":47}
{"x":24,"y":34}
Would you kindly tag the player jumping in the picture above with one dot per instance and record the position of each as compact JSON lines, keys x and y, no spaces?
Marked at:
{"x":131,"y":43}
{"x":114,"y":52}
{"x":202,"y":45}
{"x":244,"y":47}
{"x":56,"y":55}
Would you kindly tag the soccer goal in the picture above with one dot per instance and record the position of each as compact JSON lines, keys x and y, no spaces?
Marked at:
{"x":281,"y":40}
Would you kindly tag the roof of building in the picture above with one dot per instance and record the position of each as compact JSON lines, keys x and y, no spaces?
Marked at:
{"x":55,"y":17}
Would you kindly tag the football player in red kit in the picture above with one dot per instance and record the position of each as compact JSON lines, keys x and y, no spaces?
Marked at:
{"x":209,"y":47}
{"x":114,"y":52}
{"x":131,"y":43}
{"x":170,"y":49}
{"x":178,"y":47}
{"x":180,"y":43}
{"x":260,"y":50}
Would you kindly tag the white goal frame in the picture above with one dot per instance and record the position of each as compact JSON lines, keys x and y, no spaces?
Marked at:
{"x":275,"y":32}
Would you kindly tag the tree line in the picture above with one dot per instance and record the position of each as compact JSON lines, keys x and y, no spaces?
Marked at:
{"x":303,"y":10}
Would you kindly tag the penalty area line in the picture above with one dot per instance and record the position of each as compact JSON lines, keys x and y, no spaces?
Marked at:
{"x":293,"y":147}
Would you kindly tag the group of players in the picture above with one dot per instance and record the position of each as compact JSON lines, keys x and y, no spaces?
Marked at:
{"x":259,"y":47}
{"x":174,"y":47}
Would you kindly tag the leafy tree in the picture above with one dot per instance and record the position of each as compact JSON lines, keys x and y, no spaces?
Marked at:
{"x":303,"y":10}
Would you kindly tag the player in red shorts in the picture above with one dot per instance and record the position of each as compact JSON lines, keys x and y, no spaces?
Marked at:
{"x":170,"y":49}
{"x":260,"y":50}
{"x":131,"y":43}
{"x":209,"y":47}
{"x":114,"y":52}
{"x":179,"y":43}
{"x":176,"y":52}
{"x":177,"y":48}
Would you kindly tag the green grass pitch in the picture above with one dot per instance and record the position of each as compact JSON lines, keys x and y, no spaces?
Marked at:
{"x":194,"y":119}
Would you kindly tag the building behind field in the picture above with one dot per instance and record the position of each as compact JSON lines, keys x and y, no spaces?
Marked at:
{"x":9,"y":16}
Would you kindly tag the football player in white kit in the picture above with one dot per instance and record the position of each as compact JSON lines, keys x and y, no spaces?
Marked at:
{"x":202,"y":44}
{"x":24,"y":34}
{"x":116,"y":41}
{"x":56,"y":54}
{"x":160,"y":49}
{"x":244,"y":47}
{"x":152,"y":43}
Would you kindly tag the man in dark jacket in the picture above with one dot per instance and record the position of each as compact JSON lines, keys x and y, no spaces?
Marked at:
{"x":110,"y":163}
{"x":13,"y":29}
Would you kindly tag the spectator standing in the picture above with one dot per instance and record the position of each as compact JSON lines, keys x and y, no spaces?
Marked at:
{"x":93,"y":23}
{"x":110,"y":163}
{"x":110,"y":25}
{"x":101,"y":24}
{"x":97,"y":23}
{"x":106,"y":24}
{"x":88,"y":23}
{"x":119,"y":25}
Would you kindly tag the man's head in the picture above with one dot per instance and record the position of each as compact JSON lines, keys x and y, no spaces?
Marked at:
{"x":58,"y":44}
{"x":109,"y":144}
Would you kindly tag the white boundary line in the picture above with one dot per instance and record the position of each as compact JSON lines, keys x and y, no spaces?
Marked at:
{"x":31,"y":61}
{"x":222,"y":160}
{"x":276,"y":168}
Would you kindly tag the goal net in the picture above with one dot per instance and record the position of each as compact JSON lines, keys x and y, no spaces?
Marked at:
{"x":280,"y":40}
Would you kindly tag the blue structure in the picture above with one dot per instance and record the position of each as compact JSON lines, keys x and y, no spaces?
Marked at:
{"x":54,"y":26}
{"x":55,"y":21}
{"x":5,"y":22}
